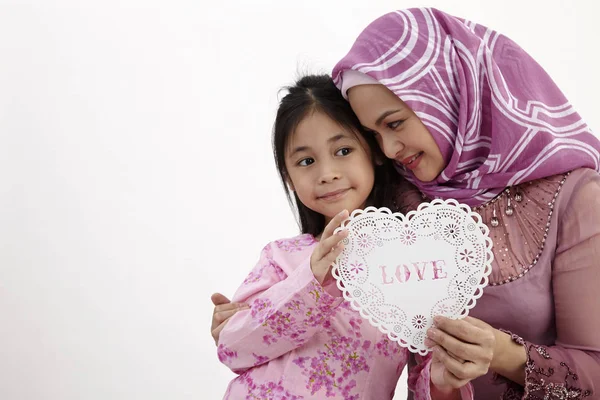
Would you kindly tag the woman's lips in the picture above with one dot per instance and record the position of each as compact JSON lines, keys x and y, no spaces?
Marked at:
{"x":413,"y":161}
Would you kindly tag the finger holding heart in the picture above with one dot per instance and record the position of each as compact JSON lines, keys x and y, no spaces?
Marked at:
{"x":464,"y":347}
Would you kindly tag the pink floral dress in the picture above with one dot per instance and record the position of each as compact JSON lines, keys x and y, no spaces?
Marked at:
{"x":301,"y":340}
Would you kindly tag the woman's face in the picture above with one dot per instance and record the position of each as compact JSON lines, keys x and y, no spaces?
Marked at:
{"x":399,"y":132}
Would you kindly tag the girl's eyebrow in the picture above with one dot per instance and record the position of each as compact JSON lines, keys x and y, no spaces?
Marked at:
{"x":299,"y":149}
{"x":337,"y":137}
{"x":332,"y":139}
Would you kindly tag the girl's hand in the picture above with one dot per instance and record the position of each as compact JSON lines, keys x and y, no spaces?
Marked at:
{"x":329,"y":248}
{"x":462,"y":351}
{"x":224,"y":309}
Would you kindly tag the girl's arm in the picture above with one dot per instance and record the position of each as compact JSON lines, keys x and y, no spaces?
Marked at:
{"x":284,"y":313}
{"x":420,"y":383}
{"x":224,"y":309}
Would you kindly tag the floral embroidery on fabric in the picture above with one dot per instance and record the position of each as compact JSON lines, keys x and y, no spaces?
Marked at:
{"x":385,"y":347}
{"x":295,"y":244}
{"x":225,"y":354}
{"x":281,"y":324}
{"x":348,"y":354}
{"x":260,"y":309}
{"x":259,"y":359}
{"x":513,"y":392}
{"x":266,"y":390}
{"x":333,"y":369}
{"x":292,"y":323}
{"x":261,"y":271}
{"x":537,"y":386}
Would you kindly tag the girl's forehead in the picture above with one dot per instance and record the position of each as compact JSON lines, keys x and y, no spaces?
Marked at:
{"x":321,"y":138}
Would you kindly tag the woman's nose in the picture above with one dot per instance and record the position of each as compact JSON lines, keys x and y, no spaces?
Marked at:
{"x":390,"y":146}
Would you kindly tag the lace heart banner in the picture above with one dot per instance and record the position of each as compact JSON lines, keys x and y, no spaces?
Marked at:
{"x":400,"y":271}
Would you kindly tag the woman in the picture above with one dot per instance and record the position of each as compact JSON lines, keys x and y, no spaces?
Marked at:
{"x":467,"y":114}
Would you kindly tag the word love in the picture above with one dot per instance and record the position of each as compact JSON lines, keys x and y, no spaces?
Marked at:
{"x":419,"y":271}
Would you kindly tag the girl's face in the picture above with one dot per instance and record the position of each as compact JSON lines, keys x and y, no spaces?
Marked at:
{"x":399,"y":132}
{"x":329,"y":167}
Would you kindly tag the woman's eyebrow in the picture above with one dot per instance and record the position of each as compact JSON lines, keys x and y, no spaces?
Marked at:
{"x":385,"y":114}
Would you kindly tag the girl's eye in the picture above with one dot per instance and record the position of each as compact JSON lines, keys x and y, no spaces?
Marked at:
{"x":306,"y":162}
{"x":395,"y":124}
{"x":343,"y":151}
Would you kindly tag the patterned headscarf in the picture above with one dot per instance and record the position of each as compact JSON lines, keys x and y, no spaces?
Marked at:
{"x":496,"y":115}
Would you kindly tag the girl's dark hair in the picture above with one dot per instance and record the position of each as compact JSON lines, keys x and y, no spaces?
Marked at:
{"x":313,"y":93}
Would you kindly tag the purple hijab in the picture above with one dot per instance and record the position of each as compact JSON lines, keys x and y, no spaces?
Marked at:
{"x":496,"y":115}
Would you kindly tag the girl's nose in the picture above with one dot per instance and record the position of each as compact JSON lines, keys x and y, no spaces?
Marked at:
{"x":329,"y":174}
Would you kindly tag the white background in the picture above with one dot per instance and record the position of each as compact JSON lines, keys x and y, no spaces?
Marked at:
{"x":136,"y":176}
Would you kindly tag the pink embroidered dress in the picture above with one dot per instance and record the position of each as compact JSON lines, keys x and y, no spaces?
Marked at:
{"x":517,"y":151}
{"x":300,"y":340}
{"x":544,"y":285}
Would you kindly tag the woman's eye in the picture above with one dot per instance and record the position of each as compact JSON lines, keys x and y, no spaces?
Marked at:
{"x":306,"y":161}
{"x":395,"y":124}
{"x":343,"y":151}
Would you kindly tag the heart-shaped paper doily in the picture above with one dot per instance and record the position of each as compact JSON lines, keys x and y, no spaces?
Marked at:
{"x":400,"y":271}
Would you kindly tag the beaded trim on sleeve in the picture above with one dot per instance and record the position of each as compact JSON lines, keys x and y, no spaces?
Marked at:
{"x":536,"y":385}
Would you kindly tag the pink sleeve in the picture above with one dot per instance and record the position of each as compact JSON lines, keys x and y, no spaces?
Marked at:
{"x":571,"y":368}
{"x":285,"y":312}
{"x":419,"y":380}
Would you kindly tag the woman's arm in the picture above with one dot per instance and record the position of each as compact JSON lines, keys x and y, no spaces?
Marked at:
{"x":571,"y":367}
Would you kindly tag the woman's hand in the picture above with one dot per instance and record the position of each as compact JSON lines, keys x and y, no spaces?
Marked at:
{"x":462,"y":351}
{"x":224,"y":309}
{"x":329,"y":248}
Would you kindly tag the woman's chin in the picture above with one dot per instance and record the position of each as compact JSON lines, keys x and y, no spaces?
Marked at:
{"x":425,"y":178}
{"x":427,"y":175}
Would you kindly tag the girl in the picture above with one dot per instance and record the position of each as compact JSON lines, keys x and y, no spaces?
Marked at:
{"x":465,"y":113}
{"x":298,"y":339}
